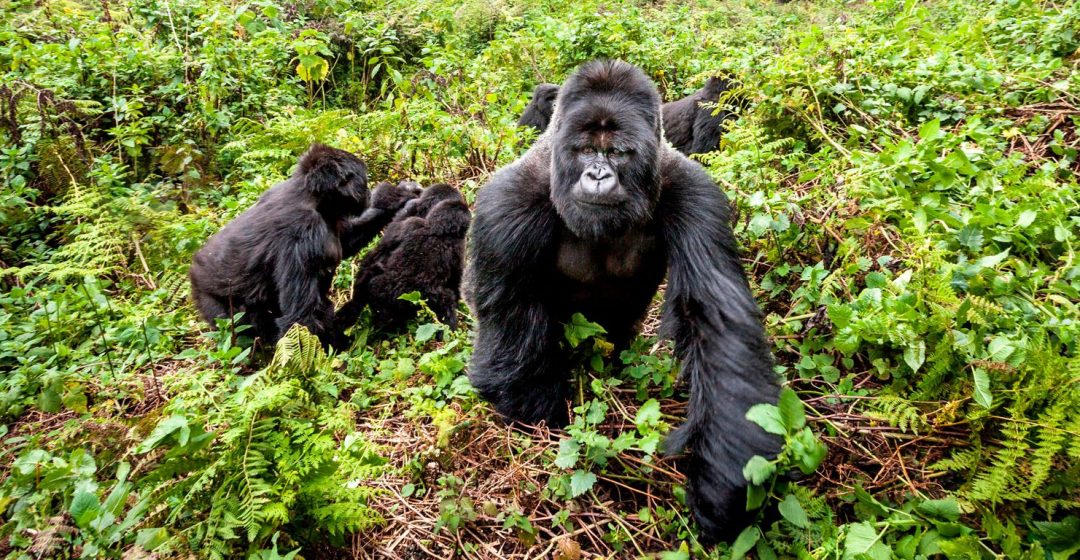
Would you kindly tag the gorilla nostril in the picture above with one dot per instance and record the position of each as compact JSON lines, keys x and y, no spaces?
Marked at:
{"x":597,"y":173}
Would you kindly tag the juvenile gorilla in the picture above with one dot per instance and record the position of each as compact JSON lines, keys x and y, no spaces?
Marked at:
{"x":589,"y":220}
{"x":422,"y":250}
{"x":691,"y":128}
{"x":538,"y":112}
{"x":276,"y":260}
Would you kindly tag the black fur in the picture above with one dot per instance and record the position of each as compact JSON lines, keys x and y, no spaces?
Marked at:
{"x":538,"y":112}
{"x":386,"y":201}
{"x":691,"y":128}
{"x":422,"y":250}
{"x":276,"y":260}
{"x":694,"y":129}
{"x":544,"y":245}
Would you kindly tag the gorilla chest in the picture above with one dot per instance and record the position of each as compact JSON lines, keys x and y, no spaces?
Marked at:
{"x":597,"y":263}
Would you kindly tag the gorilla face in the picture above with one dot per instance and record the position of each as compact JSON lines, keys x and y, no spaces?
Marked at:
{"x":605,"y":151}
{"x":538,"y":112}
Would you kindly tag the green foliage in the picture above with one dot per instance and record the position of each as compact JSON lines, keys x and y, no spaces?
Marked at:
{"x":273,"y":457}
{"x":904,"y":184}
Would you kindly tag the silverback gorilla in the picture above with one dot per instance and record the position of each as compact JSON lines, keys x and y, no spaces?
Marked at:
{"x":422,"y":250}
{"x":691,"y":128}
{"x":589,"y":220}
{"x":275,"y":261}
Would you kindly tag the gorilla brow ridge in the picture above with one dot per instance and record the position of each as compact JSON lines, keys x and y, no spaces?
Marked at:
{"x":622,"y":82}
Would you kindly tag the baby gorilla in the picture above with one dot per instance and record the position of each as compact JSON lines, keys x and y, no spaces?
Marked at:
{"x":275,"y":261}
{"x":422,"y":250}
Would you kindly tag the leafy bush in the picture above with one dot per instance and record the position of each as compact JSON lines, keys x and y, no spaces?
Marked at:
{"x":904,"y":177}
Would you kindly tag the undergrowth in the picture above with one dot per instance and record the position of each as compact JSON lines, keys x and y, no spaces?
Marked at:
{"x":904,"y":176}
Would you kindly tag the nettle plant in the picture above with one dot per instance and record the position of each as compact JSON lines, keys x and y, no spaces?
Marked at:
{"x":588,"y":449}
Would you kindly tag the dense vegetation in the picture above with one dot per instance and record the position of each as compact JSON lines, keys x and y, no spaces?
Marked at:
{"x":905,"y":181}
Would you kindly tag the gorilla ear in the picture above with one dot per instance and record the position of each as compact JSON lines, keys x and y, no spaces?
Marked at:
{"x":326,"y":170}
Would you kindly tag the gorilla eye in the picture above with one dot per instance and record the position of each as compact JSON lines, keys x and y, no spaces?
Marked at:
{"x":588,"y":150}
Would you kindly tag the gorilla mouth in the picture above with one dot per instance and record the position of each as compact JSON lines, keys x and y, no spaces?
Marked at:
{"x":599,"y":203}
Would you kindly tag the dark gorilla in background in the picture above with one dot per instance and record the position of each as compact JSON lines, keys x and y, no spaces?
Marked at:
{"x":691,"y":128}
{"x":538,"y":112}
{"x":422,"y":250}
{"x":589,"y":220}
{"x":694,"y":129}
{"x":276,"y":260}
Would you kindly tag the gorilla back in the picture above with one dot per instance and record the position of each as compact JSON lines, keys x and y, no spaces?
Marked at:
{"x":694,"y":129}
{"x":275,"y":261}
{"x":590,"y":219}
{"x":422,"y":250}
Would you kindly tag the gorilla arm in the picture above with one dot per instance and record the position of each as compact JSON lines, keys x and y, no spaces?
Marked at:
{"x":716,"y":324}
{"x":386,"y":200}
{"x":515,"y":363}
{"x":303,"y":271}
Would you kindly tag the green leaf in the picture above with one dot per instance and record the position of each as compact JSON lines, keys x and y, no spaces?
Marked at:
{"x":649,"y":443}
{"x":413,"y":297}
{"x":596,"y":412}
{"x":758,"y":469}
{"x":755,"y":496}
{"x":579,"y":329}
{"x":174,"y":423}
{"x":862,"y":543}
{"x":982,"y":388}
{"x":869,"y":502}
{"x":792,"y":415}
{"x":49,"y":400}
{"x":426,"y":331}
{"x":75,"y":399}
{"x":151,"y":538}
{"x":1059,"y":536}
{"x":970,"y":237}
{"x":768,"y":417}
{"x":744,"y":542}
{"x":683,"y":553}
{"x":648,"y":415}
{"x":992,"y":260}
{"x":793,"y":511}
{"x":807,"y":450}
{"x":947,"y":509}
{"x":569,"y":450}
{"x":581,"y":482}
{"x":85,"y":506}
{"x":962,"y":548}
{"x":1027,"y":217}
{"x":915,"y":355}
{"x":1000,"y":348}
{"x":876,"y":280}
{"x":929,"y":129}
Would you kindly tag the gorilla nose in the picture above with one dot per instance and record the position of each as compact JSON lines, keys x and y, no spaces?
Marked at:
{"x":598,"y":180}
